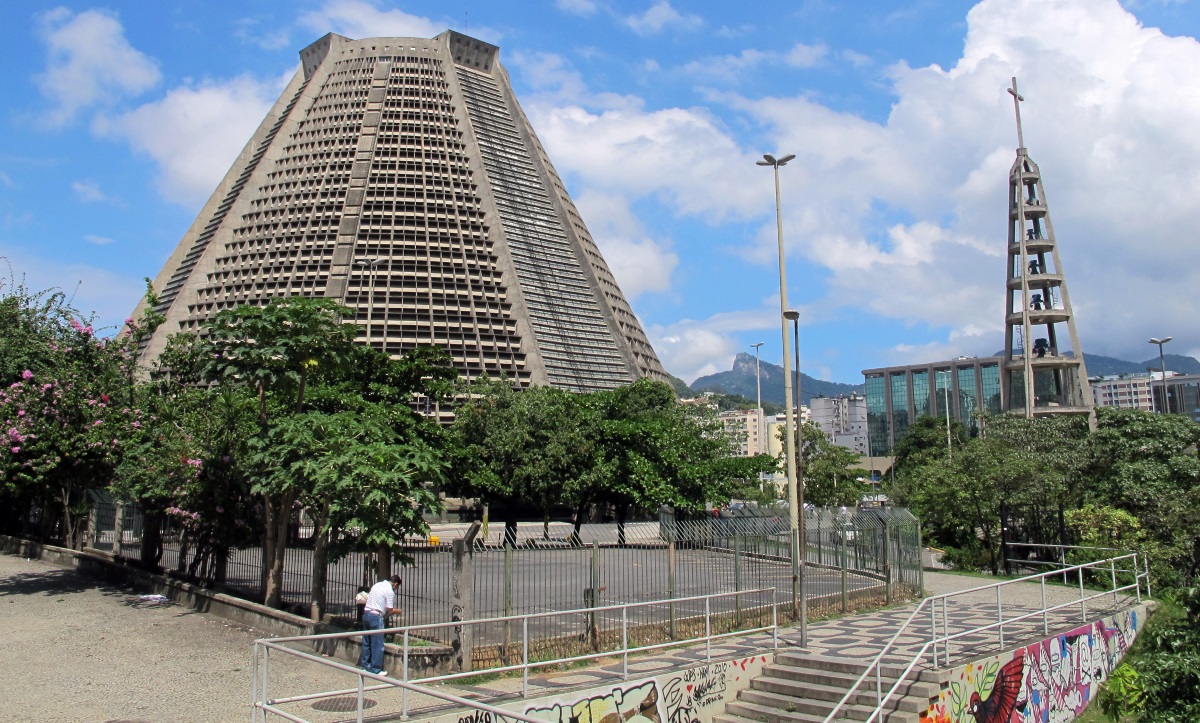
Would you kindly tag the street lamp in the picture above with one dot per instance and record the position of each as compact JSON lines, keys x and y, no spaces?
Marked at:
{"x":370,"y":265}
{"x":793,"y":316}
{"x":789,"y":421}
{"x":949,"y":381}
{"x":758,"y":381}
{"x":1163,"y":362}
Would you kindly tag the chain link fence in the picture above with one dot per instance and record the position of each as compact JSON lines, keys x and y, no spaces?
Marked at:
{"x":854,"y":558}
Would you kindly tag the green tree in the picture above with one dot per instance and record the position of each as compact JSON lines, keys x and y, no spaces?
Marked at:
{"x":520,"y":447}
{"x":831,"y":473}
{"x":362,"y":482}
{"x":651,"y":451}
{"x":275,"y":349}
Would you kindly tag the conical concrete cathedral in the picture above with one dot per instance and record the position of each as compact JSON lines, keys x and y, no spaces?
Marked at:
{"x":400,"y":177}
{"x":1043,"y":371}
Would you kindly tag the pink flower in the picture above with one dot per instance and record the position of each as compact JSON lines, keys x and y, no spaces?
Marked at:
{"x":97,"y":423}
{"x":16,"y":450}
{"x":195,"y":515}
{"x":20,"y":412}
{"x":27,"y":374}
{"x":129,"y":321}
{"x":220,"y":510}
{"x":46,"y":387}
{"x":137,"y":425}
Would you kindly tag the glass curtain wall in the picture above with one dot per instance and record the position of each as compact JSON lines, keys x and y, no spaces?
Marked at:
{"x":899,"y":405}
{"x":968,"y":398}
{"x":877,"y":426}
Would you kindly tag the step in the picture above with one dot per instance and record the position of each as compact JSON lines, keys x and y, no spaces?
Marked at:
{"x":865,"y":695}
{"x":812,"y":661}
{"x":856,"y":711}
{"x":911,"y":686}
{"x":741,"y":711}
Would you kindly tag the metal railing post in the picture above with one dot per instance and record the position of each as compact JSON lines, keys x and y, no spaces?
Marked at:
{"x":254,"y":685}
{"x":1062,"y":558}
{"x":360,"y":698}
{"x":525,"y":657}
{"x":933,"y":639}
{"x":737,"y":579}
{"x":404,"y":677}
{"x":265,"y":676}
{"x":774,"y":620}
{"x":1148,"y":593}
{"x":1113,"y":565}
{"x":625,"y":642}
{"x":1082,"y":601}
{"x":1137,"y":578}
{"x":1000,"y":617}
{"x":845,"y":562}
{"x":671,"y":586}
{"x":946,"y":628}
{"x":508,"y":582}
{"x":1045,"y":613}
{"x":707,"y":630}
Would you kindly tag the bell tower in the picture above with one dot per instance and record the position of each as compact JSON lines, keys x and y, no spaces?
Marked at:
{"x":1043,"y":372}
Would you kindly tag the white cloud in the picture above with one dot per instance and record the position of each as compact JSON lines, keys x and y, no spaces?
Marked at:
{"x":88,"y":191}
{"x":806,"y":56}
{"x":253,"y":32}
{"x":194,"y":133}
{"x":639,"y":263}
{"x":6,"y":180}
{"x":692,"y":348}
{"x":97,"y":240}
{"x":908,"y":215}
{"x":659,"y":17}
{"x":89,"y":63}
{"x":111,"y":296}
{"x":359,"y":19}
{"x":577,"y":7}
{"x":680,"y":155}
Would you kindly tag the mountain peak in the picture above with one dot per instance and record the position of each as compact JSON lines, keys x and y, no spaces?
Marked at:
{"x":742,"y":379}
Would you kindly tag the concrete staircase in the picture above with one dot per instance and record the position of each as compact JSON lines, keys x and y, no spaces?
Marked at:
{"x":803,"y":688}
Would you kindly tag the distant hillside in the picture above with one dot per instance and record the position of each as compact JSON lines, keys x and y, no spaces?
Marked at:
{"x":741,"y":381}
{"x":681,"y":388}
{"x":1102,"y":366}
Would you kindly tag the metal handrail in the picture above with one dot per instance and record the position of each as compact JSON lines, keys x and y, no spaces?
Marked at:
{"x":876,"y":663}
{"x":262,"y":702}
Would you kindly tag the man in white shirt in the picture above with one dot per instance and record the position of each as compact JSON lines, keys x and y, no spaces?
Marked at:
{"x":381,"y":602}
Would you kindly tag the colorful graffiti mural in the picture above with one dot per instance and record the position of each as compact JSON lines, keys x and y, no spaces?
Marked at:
{"x":1051,"y":681}
{"x":691,"y":695}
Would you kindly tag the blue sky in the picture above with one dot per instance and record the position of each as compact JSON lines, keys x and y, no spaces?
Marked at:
{"x":120,"y":118}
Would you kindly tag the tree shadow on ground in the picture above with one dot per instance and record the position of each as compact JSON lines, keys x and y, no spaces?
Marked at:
{"x":50,"y":582}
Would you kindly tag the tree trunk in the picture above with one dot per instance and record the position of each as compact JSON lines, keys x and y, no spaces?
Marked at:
{"x":622,"y":513}
{"x":583,"y":504}
{"x":68,"y":537}
{"x":383,"y":563}
{"x":510,"y":526}
{"x":275,"y":545}
{"x":152,"y":545}
{"x":320,"y":558}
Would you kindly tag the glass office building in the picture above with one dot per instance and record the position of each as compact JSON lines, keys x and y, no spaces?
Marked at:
{"x":897,"y":396}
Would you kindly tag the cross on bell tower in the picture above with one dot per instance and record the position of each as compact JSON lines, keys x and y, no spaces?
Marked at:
{"x":1043,"y":372}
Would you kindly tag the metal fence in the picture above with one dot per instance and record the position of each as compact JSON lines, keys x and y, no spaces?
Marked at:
{"x":854,"y":558}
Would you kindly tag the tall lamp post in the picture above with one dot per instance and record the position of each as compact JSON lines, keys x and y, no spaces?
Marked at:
{"x":793,"y":316}
{"x":370,"y":266}
{"x":789,"y":420}
{"x":759,"y":410}
{"x":1163,"y":363}
{"x":949,"y":381}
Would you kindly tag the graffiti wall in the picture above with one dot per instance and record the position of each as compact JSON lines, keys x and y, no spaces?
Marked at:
{"x":692,"y":695}
{"x":1051,"y":681}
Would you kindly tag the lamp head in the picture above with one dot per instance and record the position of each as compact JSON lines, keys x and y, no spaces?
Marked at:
{"x":1163,"y":340}
{"x":770,"y":160}
{"x":791,"y":314}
